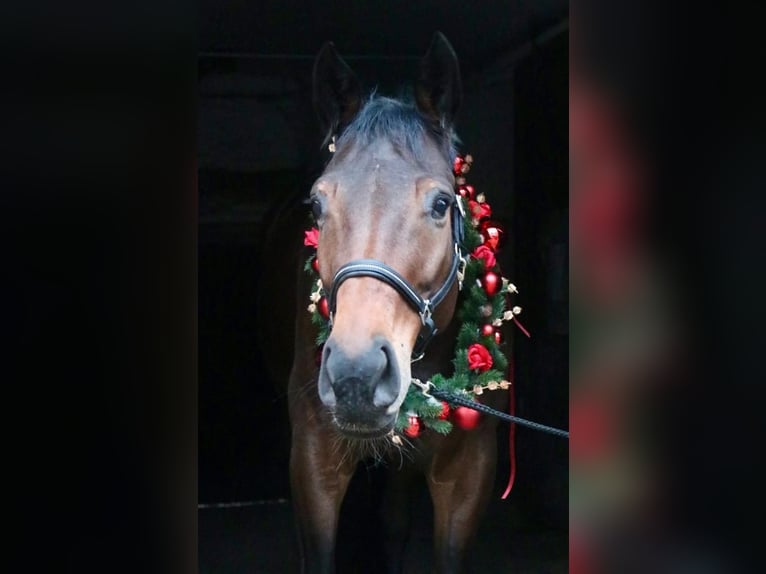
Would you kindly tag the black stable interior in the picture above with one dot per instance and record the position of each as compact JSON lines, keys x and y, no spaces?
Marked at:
{"x":258,"y":152}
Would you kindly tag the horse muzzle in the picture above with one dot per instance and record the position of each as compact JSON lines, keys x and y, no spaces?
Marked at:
{"x":361,"y":390}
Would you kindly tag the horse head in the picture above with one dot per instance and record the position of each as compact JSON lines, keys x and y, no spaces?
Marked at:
{"x":386,"y":211}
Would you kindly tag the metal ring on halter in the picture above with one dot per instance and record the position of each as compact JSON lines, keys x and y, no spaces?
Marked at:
{"x":424,"y":387}
{"x":425,"y":314}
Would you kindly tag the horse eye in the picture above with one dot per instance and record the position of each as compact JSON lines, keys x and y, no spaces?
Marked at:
{"x":316,"y":208}
{"x":440,"y":206}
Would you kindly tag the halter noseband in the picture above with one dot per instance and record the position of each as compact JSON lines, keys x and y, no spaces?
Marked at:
{"x":423,"y":306}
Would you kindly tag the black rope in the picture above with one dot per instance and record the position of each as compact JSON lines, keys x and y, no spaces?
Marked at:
{"x":454,"y":399}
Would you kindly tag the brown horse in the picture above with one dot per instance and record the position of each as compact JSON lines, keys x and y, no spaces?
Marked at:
{"x":385,"y":200}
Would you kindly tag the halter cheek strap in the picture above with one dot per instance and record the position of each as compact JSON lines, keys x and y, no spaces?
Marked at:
{"x":422,"y":305}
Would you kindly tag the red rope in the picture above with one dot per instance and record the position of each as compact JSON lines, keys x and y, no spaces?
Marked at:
{"x":511,"y":439}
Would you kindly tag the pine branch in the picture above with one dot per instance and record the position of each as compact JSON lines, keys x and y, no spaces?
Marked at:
{"x":438,"y":425}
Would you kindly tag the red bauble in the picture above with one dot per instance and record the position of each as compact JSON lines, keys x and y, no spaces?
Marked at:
{"x":466,"y":192}
{"x":465,"y":418}
{"x":493,"y":234}
{"x":414,"y":429}
{"x":491,"y":282}
{"x":324,"y":308}
{"x":491,"y":331}
{"x":445,"y":411}
{"x":315,"y":264}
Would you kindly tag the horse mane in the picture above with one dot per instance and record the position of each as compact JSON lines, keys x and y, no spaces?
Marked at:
{"x":400,"y":122}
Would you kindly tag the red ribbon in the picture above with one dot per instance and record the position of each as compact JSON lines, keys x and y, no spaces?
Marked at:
{"x":511,"y":438}
{"x":520,"y":326}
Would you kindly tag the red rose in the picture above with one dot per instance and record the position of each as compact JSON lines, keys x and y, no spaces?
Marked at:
{"x":485,"y":253}
{"x":457,"y":165}
{"x":312,"y":237}
{"x":479,"y":210}
{"x":479,"y":358}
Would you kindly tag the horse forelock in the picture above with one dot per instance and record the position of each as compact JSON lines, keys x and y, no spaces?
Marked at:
{"x":399,"y":122}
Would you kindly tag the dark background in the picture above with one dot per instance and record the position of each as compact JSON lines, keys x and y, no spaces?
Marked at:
{"x":258,"y":151}
{"x":99,"y":247}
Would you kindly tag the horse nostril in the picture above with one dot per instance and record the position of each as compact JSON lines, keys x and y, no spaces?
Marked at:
{"x":387,"y":387}
{"x":326,"y":350}
{"x":360,"y":383}
{"x":326,"y":392}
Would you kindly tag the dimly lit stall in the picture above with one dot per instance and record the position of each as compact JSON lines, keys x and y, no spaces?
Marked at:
{"x":259,"y":151}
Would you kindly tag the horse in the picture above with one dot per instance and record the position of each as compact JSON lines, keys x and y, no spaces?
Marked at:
{"x":387,"y":216}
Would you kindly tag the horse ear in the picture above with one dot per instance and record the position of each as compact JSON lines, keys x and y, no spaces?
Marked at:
{"x":439,"y":90}
{"x":337,"y":92}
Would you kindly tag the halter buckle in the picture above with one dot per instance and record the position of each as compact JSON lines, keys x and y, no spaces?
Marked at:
{"x":462,"y":262}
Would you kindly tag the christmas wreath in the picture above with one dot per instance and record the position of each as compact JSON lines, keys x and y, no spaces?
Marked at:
{"x":479,"y":362}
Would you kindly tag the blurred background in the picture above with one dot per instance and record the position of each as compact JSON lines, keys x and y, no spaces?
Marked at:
{"x":259,"y":151}
{"x":666,"y":246}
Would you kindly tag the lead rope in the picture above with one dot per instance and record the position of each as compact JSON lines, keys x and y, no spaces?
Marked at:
{"x":455,"y":399}
{"x":429,"y":389}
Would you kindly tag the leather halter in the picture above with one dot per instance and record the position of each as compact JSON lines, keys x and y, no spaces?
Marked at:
{"x":424,"y":306}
